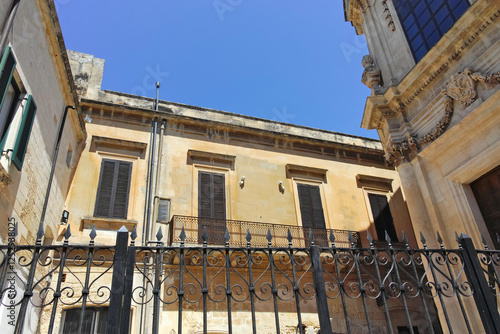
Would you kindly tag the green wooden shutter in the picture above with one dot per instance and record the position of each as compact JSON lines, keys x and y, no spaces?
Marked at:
{"x":24,"y":133}
{"x":105,"y":189}
{"x":7,"y":66}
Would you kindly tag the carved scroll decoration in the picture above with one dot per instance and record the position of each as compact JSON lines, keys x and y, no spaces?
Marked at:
{"x":388,"y":16}
{"x":462,"y":88}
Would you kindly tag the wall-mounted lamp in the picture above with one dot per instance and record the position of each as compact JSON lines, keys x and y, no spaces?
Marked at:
{"x":64,"y":217}
{"x":281,"y":187}
{"x":88,"y":119}
{"x":242,"y":182}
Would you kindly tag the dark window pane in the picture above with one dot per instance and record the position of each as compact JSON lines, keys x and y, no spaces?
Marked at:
{"x":435,"y":5}
{"x":429,"y":29}
{"x":460,"y":8}
{"x":72,"y":321}
{"x":413,"y":31}
{"x":442,"y":14}
{"x":433,"y":39}
{"x":446,"y":24}
{"x":419,"y":8}
{"x":102,"y":321}
{"x":409,"y":21}
{"x":417,"y":42}
{"x":382,"y":217}
{"x":424,"y":17}
{"x":421,"y":52}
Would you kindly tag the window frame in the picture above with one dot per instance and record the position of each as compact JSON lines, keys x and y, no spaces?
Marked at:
{"x":95,"y":318}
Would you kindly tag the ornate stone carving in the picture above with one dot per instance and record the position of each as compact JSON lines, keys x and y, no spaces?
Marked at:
{"x":371,"y":75}
{"x":462,"y":87}
{"x":388,"y":16}
{"x":443,"y":124}
{"x":405,"y":150}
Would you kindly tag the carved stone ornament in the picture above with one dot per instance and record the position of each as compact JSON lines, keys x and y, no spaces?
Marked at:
{"x":462,"y":88}
{"x":371,"y":75}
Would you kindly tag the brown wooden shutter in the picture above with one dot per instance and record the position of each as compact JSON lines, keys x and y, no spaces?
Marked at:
{"x":122,"y":190}
{"x":382,"y":217}
{"x":305,"y":205}
{"x":204,"y":195}
{"x":311,"y":208}
{"x":113,"y":191}
{"x":219,"y":200}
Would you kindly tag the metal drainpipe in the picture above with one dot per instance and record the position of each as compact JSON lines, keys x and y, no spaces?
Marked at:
{"x":158,"y":175}
{"x":151,"y":168}
{"x":148,"y":181}
{"x":8,"y":26}
{"x":54,"y":161}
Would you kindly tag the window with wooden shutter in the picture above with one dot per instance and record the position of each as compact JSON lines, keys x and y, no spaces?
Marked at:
{"x":311,"y":210}
{"x":113,"y":191}
{"x":212,"y":206}
{"x":382,"y":217}
{"x":24,"y":133}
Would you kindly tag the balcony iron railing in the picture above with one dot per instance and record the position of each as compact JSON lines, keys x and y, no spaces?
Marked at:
{"x":193,"y":227}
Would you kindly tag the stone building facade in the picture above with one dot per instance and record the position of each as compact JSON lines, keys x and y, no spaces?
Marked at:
{"x":434,"y":74}
{"x":35,"y":87}
{"x":217,"y":169}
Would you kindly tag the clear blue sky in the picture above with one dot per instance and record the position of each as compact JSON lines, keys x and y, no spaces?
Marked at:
{"x":293,"y":61}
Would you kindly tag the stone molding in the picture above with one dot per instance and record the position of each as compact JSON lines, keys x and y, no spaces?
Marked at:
{"x":460,"y":87}
{"x":388,"y":16}
{"x":371,"y":76}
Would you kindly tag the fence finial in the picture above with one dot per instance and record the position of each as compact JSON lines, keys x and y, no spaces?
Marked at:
{"x":204,"y":235}
{"x":248,"y":237}
{"x":311,"y":236}
{"x":16,"y":231}
{"x":40,"y":235}
{"x":498,"y":238}
{"x":67,"y":234}
{"x":227,"y":237}
{"x":351,"y":238}
{"x":405,"y":238}
{"x":289,"y":237}
{"x":133,"y":235}
{"x":182,"y":236}
{"x":332,"y":238}
{"x":388,"y":238}
{"x":369,"y":237}
{"x":269,"y":237}
{"x":92,"y":235}
{"x":423,"y":239}
{"x":440,"y":240}
{"x":483,"y":240}
{"x":159,"y":234}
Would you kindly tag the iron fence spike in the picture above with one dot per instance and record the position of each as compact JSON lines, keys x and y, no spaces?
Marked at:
{"x":227,"y":236}
{"x":311,"y":236}
{"x":498,"y":238}
{"x":457,"y":237}
{"x":93,"y":233}
{"x":67,"y":234}
{"x":350,"y":237}
{"x":289,"y":236}
{"x":248,"y":236}
{"x":182,"y":236}
{"x":439,"y":239}
{"x":204,"y":235}
{"x":133,"y":235}
{"x":404,"y":237}
{"x":332,"y":237}
{"x":369,"y":237}
{"x":269,"y":236}
{"x":159,"y":234}
{"x":483,"y":240}
{"x":422,"y":238}
{"x":387,"y":238}
{"x":16,"y":231}
{"x":40,"y":233}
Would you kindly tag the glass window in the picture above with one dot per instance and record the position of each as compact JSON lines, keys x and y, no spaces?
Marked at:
{"x":94,"y":321}
{"x":429,"y":20}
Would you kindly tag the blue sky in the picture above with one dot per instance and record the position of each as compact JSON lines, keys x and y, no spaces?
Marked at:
{"x":287,"y":60}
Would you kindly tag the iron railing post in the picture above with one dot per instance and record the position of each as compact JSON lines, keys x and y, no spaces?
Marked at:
{"x":319,"y":284}
{"x":127,"y":293}
{"x":117,"y":282}
{"x":483,"y":297}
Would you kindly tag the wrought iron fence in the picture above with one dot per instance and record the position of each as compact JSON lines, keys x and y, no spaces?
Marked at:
{"x":194,"y":226}
{"x":256,"y":289}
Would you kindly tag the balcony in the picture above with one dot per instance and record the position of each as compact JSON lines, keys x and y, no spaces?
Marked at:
{"x":193,"y":227}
